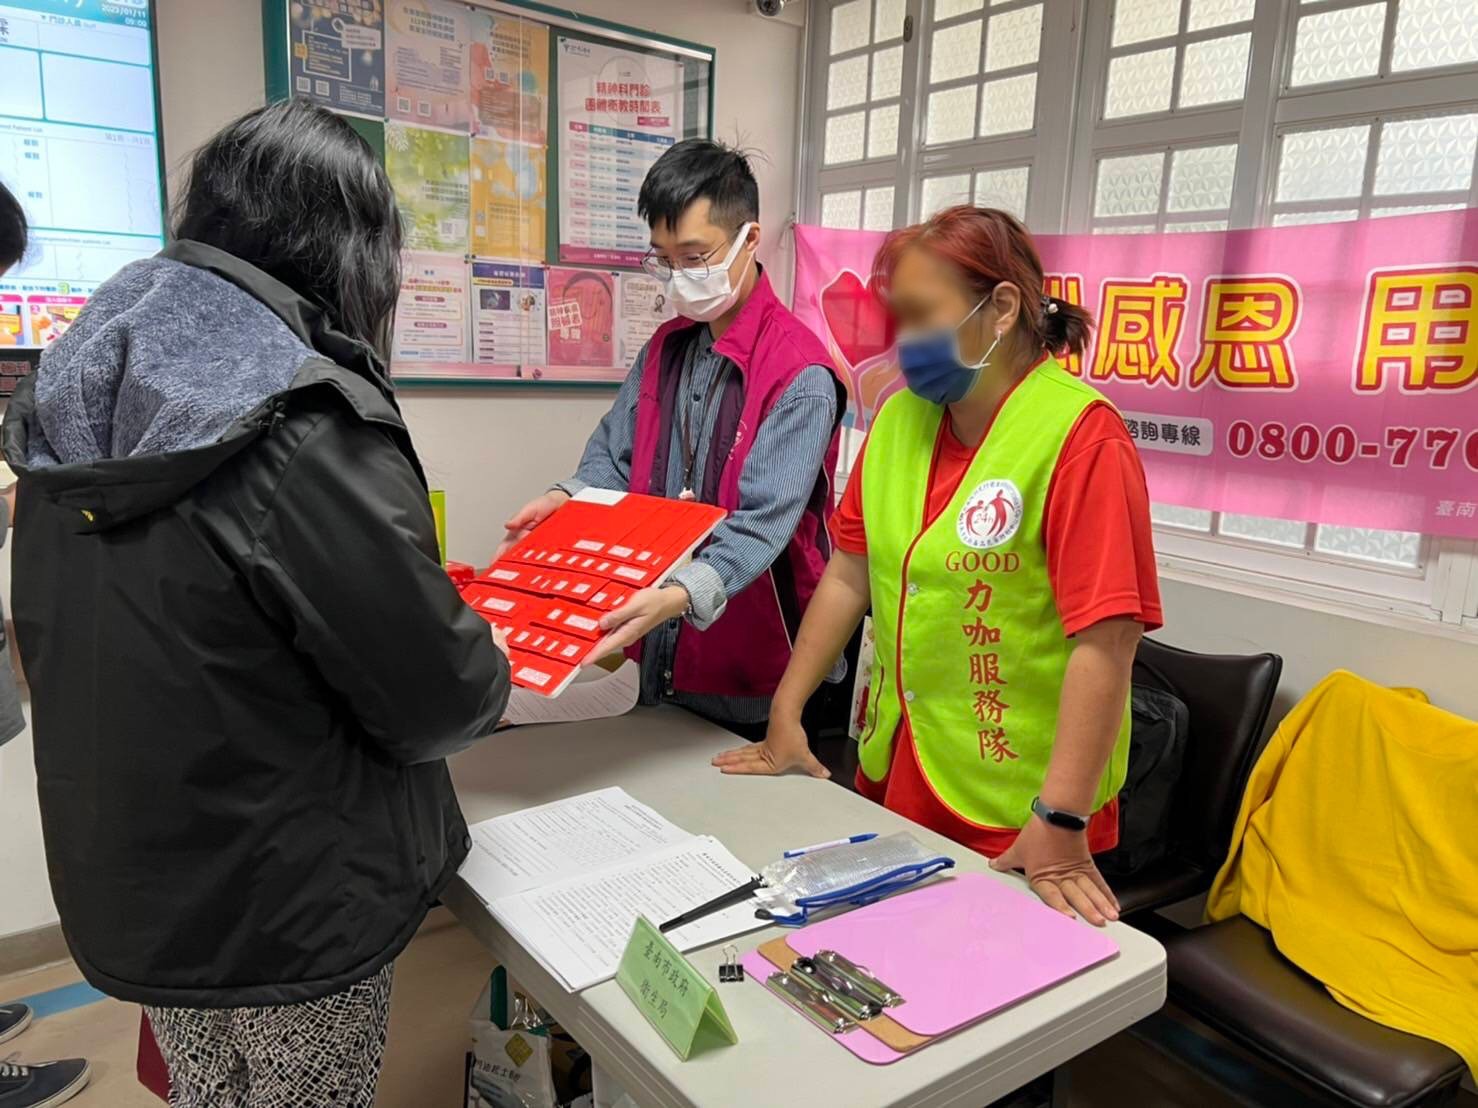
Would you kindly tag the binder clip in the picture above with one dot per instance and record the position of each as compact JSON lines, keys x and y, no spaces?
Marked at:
{"x":730,"y":969}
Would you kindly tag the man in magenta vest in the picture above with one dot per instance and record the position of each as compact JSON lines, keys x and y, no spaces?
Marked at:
{"x":734,"y":403}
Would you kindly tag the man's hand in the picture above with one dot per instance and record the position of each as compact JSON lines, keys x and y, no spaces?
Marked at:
{"x":642,"y":611}
{"x":785,"y":748}
{"x":500,"y":640}
{"x":528,"y":517}
{"x":1060,"y":870}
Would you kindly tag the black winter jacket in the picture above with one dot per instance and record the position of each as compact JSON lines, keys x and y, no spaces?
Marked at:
{"x":246,"y":662}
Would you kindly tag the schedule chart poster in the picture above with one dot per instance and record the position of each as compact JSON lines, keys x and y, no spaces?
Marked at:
{"x":79,"y":147}
{"x":620,"y":108}
{"x":336,"y":55}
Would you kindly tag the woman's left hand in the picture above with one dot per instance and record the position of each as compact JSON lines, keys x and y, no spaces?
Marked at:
{"x":1060,"y":870}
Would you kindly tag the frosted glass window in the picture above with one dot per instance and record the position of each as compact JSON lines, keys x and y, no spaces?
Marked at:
{"x":954,"y":52}
{"x":877,"y":211}
{"x":1139,"y":84}
{"x":1196,"y":225}
{"x":1426,"y":155}
{"x":887,"y":20}
{"x":1173,"y":515}
{"x":1338,"y":45}
{"x":882,"y":132}
{"x":1126,"y":229}
{"x":1415,"y":209}
{"x":850,"y":26}
{"x":1278,"y":532}
{"x":1013,"y":39}
{"x":1129,"y":185}
{"x":1214,"y":71}
{"x":841,"y":209}
{"x":887,"y":73}
{"x":948,"y":9}
{"x":844,"y":137}
{"x":950,"y":116}
{"x":1218,"y":13}
{"x":1435,"y":32}
{"x":1201,"y":179}
{"x":1302,"y":219}
{"x":846,"y":82}
{"x":1004,"y":189}
{"x":1008,"y":105}
{"x":1142,"y":20}
{"x":942,"y":192}
{"x":1323,"y":165}
{"x":1400,"y":549}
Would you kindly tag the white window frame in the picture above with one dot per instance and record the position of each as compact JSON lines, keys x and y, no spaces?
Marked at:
{"x":1442,"y":593}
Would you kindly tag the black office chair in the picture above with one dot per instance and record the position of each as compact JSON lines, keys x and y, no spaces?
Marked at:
{"x":1229,"y":697}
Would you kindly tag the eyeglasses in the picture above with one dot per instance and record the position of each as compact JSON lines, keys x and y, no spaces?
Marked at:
{"x":694,"y":266}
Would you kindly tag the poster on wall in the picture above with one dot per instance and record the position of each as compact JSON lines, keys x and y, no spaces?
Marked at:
{"x":337,"y":55}
{"x":1325,"y":373}
{"x":431,"y":314}
{"x":508,"y":77}
{"x":620,"y":108}
{"x":582,"y":321}
{"x":426,"y":63}
{"x":644,"y":308}
{"x":508,"y":200}
{"x":508,"y":314}
{"x":428,"y":170}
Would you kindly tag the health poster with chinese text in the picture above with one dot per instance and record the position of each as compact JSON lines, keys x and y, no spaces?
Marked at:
{"x":508,"y":312}
{"x":428,"y":170}
{"x":508,"y":200}
{"x":619,"y":111}
{"x":431,"y":314}
{"x":337,"y":55}
{"x":644,"y":308}
{"x":582,"y":321}
{"x":426,"y":63}
{"x":508,"y":77}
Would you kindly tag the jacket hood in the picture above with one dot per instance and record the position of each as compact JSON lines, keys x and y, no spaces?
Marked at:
{"x":177,"y":363}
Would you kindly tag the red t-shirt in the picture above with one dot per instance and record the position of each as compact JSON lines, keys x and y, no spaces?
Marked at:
{"x":1100,"y":560}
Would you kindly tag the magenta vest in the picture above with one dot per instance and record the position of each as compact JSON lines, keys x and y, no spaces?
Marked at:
{"x":747,"y":648}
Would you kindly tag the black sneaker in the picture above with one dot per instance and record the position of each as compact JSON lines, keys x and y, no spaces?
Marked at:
{"x":44,"y":1085}
{"x":14,"y":1018}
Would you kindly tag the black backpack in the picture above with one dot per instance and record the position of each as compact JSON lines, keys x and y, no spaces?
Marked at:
{"x":1157,"y":739}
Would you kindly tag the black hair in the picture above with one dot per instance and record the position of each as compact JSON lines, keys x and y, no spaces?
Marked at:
{"x":697,"y":169}
{"x":13,"y":234}
{"x":293,"y":190}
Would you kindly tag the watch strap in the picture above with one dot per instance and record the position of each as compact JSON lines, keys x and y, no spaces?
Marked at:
{"x":1069,"y":821}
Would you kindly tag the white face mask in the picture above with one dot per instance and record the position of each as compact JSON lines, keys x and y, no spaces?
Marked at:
{"x":707,"y":299}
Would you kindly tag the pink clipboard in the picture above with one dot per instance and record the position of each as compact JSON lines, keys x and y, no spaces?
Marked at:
{"x":957,"y":950}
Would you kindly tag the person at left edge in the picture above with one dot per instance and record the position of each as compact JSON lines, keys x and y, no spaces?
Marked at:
{"x":247,"y":662}
{"x":735,"y":403}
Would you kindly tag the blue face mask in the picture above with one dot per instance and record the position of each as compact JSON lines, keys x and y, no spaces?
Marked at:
{"x":931,"y":364}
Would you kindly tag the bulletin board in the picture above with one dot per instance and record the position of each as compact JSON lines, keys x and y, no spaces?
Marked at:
{"x":516,"y":136}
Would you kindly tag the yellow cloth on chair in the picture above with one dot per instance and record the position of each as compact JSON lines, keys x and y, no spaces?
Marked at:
{"x":1357,"y":847}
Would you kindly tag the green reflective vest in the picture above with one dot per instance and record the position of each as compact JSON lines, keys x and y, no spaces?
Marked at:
{"x":970,"y":648}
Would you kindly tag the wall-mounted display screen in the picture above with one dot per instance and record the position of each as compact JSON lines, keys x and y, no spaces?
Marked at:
{"x":79,"y":147}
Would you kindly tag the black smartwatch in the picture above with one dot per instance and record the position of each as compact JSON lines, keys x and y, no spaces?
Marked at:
{"x":1068,"y":821}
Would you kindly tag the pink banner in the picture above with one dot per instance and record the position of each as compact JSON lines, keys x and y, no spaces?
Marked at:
{"x":1325,"y":373}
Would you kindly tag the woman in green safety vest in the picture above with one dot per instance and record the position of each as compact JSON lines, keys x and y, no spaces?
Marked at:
{"x":997,"y":524}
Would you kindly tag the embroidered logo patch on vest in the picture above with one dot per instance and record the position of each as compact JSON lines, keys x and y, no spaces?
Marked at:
{"x":991,"y":515}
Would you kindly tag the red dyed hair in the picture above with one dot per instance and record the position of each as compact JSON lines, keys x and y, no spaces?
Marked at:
{"x":986,"y":246}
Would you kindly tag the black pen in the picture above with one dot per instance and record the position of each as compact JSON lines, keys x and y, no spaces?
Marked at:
{"x":733,"y":896}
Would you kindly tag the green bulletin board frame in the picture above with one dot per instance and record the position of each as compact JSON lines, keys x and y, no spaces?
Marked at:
{"x":588,"y":28}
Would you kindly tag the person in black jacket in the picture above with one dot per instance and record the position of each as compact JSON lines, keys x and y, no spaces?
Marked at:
{"x":247,"y":663}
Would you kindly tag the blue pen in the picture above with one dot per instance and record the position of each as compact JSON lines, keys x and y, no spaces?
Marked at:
{"x":827,"y":846}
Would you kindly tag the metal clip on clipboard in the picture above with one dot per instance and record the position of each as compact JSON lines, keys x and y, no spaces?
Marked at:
{"x":832,"y":991}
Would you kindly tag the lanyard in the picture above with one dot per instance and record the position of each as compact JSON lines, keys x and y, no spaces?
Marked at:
{"x":690,"y":442}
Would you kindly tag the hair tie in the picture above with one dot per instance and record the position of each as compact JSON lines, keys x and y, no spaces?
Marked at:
{"x":1049,"y":305}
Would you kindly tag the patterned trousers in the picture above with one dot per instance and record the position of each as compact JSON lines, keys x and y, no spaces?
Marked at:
{"x":321,"y":1052}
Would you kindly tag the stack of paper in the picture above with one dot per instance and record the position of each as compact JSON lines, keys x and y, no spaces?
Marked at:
{"x":568,"y":880}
